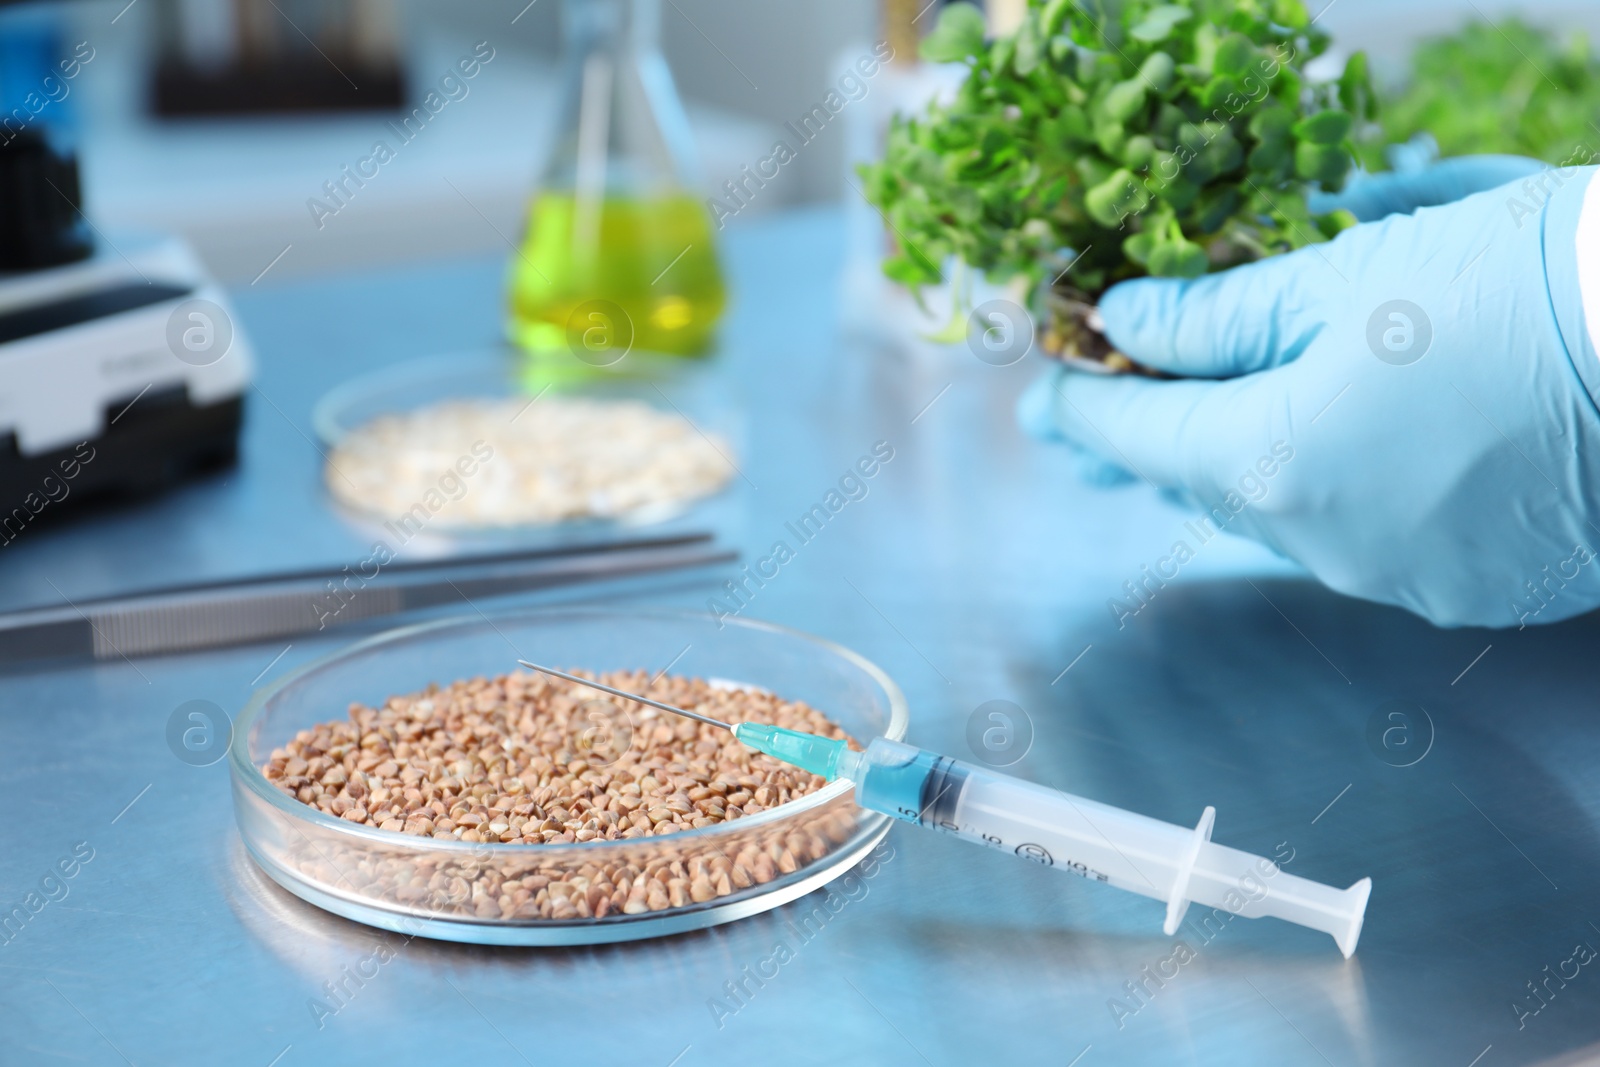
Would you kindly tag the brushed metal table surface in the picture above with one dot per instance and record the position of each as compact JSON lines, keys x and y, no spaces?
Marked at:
{"x":976,"y":568}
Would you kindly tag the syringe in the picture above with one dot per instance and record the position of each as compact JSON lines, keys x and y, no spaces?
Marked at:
{"x":1079,"y":836}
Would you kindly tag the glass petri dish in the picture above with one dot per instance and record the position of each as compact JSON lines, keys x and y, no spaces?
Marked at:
{"x":449,"y":889}
{"x":674,"y":387}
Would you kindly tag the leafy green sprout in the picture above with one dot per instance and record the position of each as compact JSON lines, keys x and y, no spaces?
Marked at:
{"x":1108,"y":139}
{"x":1509,"y":87}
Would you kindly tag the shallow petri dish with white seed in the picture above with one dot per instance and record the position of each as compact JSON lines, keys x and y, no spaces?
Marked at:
{"x":458,"y":890}
{"x":468,"y":444}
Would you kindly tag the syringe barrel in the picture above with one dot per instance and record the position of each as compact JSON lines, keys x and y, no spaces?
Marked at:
{"x":1055,"y":829}
{"x":1095,"y":841}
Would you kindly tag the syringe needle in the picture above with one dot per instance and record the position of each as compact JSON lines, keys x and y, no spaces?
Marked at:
{"x":635,"y":697}
{"x":819,"y":755}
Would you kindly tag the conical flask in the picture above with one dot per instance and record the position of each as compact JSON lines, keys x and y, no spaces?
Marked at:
{"x":618,"y":255}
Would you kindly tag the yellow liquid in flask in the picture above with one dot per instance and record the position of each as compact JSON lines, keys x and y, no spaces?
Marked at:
{"x":652,"y":257}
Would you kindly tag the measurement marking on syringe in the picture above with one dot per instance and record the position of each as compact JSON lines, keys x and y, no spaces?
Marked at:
{"x":1110,"y":842}
{"x":1027,"y":850}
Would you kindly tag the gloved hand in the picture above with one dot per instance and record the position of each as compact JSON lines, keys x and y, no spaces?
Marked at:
{"x":1408,"y":410}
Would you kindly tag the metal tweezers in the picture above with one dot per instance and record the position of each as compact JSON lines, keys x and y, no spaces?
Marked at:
{"x":241,"y":611}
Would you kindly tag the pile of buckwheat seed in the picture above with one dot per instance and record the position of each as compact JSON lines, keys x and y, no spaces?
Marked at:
{"x":537,"y":760}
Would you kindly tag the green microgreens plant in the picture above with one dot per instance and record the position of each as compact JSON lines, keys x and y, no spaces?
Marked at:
{"x":1109,"y":139}
{"x":1510,"y":87}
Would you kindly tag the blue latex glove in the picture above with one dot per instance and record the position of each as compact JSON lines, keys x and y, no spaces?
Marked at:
{"x":1367,"y":197}
{"x":1444,"y":456}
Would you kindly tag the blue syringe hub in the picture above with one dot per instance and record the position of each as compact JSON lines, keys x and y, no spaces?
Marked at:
{"x":819,"y":755}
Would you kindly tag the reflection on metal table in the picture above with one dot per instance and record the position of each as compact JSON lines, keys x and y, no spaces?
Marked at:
{"x":1454,"y":767}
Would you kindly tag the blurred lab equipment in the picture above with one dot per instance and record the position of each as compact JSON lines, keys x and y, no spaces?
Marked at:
{"x":120,"y":372}
{"x":121,"y":369}
{"x":619,"y":252}
{"x":224,"y":57}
